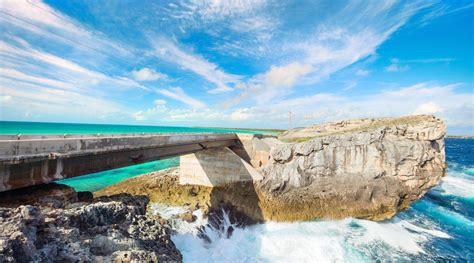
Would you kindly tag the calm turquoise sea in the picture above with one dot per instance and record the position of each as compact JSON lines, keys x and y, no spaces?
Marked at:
{"x":96,"y":181}
{"x":437,"y":228}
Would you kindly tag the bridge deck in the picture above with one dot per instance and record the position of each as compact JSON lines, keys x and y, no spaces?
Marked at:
{"x":35,"y":159}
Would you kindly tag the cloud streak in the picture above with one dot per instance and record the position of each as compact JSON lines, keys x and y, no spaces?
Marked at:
{"x":178,"y":94}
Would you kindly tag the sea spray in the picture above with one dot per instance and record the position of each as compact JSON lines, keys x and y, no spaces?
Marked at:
{"x":222,"y":238}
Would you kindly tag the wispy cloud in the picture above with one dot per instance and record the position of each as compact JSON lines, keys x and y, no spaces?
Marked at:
{"x":362,"y":72}
{"x":169,"y":51}
{"x":395,"y":67}
{"x":76,"y":74}
{"x":39,"y":18}
{"x":178,"y":94}
{"x":146,"y":74}
{"x":398,"y":65}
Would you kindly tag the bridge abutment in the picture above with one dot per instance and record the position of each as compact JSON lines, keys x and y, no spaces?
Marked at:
{"x":215,"y":167}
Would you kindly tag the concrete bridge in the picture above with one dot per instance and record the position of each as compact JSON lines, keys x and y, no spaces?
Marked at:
{"x":27,"y":160}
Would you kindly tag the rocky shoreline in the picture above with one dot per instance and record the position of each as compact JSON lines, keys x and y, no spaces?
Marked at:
{"x":366,"y":168}
{"x":57,"y":225}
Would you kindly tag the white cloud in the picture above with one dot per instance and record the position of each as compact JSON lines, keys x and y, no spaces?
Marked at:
{"x":286,"y":76}
{"x":159,"y":102}
{"x":170,"y":52}
{"x":76,"y":74}
{"x":5,"y":98}
{"x":350,"y":85}
{"x":146,"y":74}
{"x":140,"y":116}
{"x":350,"y":35}
{"x":396,"y":68}
{"x":17,"y":75}
{"x":51,"y":103}
{"x":162,"y":113}
{"x":427,"y":108}
{"x":362,"y":72}
{"x":422,"y":98}
{"x":44,"y":21}
{"x":241,"y":114}
{"x":178,"y":94}
{"x":218,"y":9}
{"x":398,"y":65}
{"x":427,"y":60}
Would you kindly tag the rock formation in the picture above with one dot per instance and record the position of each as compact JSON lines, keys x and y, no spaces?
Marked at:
{"x":366,"y":168}
{"x":369,"y":168}
{"x":109,"y":229}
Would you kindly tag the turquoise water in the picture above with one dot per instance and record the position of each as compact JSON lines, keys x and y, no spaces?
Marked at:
{"x":96,"y":181}
{"x":13,"y":127}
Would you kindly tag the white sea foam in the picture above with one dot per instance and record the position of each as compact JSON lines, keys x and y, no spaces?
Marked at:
{"x":351,"y":240}
{"x":457,"y":184}
{"x":171,"y":213}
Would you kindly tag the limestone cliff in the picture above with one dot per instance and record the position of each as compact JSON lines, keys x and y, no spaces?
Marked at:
{"x":368,"y":168}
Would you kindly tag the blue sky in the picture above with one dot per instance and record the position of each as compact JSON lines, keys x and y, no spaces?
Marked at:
{"x":236,"y":63}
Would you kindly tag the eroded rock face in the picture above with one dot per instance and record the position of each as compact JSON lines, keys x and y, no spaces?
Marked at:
{"x":361,"y":168}
{"x":111,"y":229}
{"x":369,"y":168}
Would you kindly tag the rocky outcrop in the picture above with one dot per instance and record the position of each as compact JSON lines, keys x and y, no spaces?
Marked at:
{"x":368,"y":168}
{"x":110,"y":229}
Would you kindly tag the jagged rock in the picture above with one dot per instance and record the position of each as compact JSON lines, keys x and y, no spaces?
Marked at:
{"x":112,"y":228}
{"x":368,"y":168}
{"x":49,"y":195}
{"x":188,"y":217}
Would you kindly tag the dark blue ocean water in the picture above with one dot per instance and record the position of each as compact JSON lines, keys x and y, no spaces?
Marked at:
{"x":449,"y":207}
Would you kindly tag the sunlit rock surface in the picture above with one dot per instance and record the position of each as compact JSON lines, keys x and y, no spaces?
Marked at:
{"x":368,"y":168}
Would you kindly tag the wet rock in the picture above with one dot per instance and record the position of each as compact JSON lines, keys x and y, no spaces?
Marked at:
{"x":188,"y":217}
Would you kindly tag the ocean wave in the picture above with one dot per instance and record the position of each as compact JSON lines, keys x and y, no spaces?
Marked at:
{"x":457,"y":184}
{"x":353,"y":240}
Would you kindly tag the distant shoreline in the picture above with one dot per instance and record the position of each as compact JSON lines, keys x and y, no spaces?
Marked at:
{"x":243,"y":129}
{"x":460,"y":136}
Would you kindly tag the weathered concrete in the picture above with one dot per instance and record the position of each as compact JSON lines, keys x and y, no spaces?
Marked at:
{"x":215,"y":167}
{"x":255,"y":148}
{"x":27,"y":160}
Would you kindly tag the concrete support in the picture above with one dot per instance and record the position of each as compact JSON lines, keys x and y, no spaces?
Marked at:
{"x":215,"y":167}
{"x":254,"y":148}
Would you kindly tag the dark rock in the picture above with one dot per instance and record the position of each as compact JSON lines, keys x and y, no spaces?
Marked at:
{"x":111,"y":228}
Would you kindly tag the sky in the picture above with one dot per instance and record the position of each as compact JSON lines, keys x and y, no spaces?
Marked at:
{"x":236,"y":63}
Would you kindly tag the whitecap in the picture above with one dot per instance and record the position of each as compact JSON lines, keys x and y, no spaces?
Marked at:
{"x":353,"y":240}
{"x":457,"y":185}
